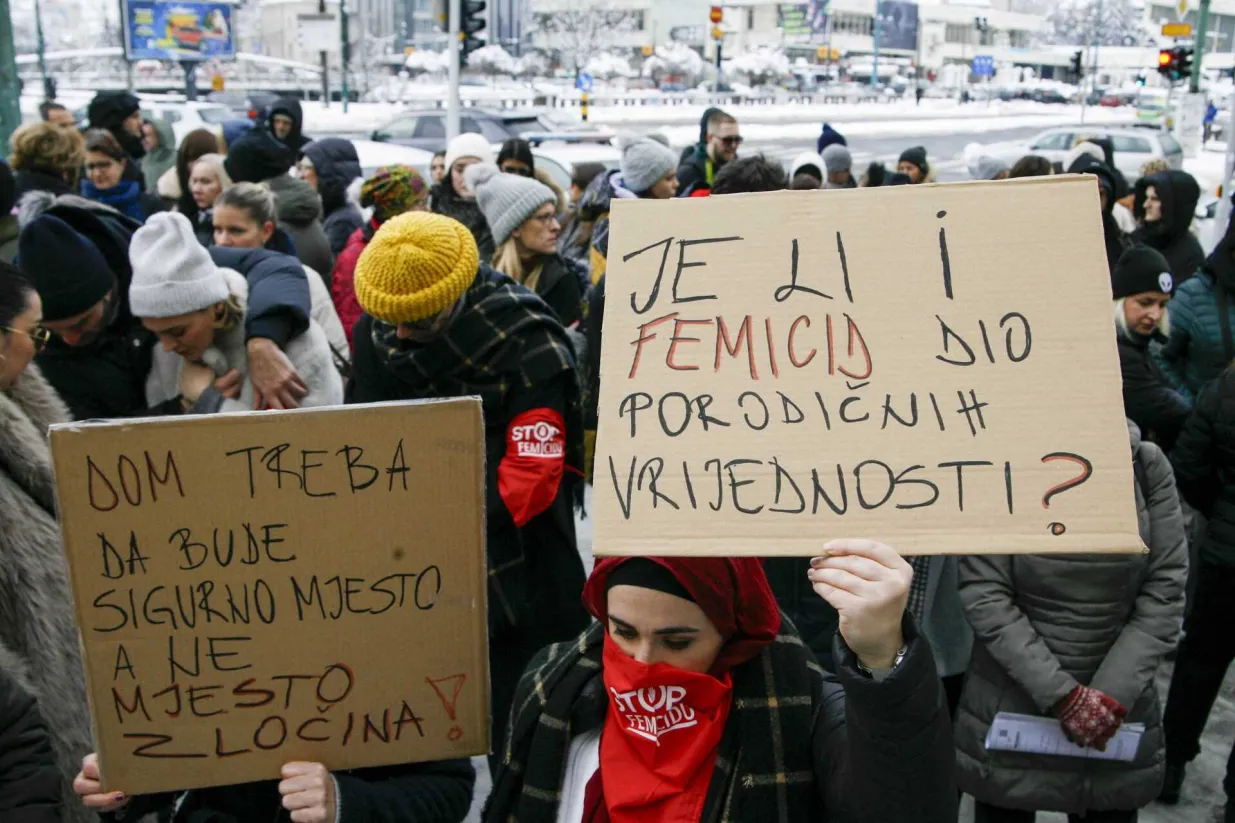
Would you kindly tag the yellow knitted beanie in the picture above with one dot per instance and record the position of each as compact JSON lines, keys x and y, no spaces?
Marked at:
{"x":416,"y":265}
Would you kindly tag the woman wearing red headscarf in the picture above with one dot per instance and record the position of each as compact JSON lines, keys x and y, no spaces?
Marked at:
{"x":691,"y":700}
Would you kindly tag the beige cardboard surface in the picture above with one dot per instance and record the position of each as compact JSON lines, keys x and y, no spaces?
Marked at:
{"x":258,"y":589}
{"x":931,"y":366}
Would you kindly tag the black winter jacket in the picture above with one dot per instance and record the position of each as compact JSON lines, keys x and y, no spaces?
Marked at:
{"x":337,"y":165}
{"x":562,"y":285}
{"x":1179,"y":193}
{"x":1204,"y":462}
{"x":1149,"y":399}
{"x":41,"y":179}
{"x":438,"y":792}
{"x":29,"y":779}
{"x":296,"y":141}
{"x":1202,"y":316}
{"x":446,"y":201}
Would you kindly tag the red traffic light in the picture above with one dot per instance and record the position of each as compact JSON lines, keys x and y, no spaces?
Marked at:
{"x":1165,"y":58}
{"x":717,"y":14}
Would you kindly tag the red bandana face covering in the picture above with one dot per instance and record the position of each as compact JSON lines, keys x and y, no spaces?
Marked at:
{"x":659,"y":743}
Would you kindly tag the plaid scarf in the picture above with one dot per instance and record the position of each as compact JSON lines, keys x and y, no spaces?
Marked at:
{"x":765,"y":766}
{"x":921,"y":565}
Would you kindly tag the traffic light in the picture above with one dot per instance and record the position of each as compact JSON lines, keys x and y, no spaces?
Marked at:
{"x":1175,"y":63}
{"x":1076,"y":62}
{"x":471,"y":21}
{"x":716,"y":15}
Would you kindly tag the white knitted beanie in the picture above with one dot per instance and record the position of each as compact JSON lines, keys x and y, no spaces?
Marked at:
{"x":468,"y":145}
{"x":172,"y":272}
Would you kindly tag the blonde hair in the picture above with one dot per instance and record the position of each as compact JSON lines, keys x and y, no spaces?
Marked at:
{"x":506,"y":260}
{"x":214,"y":162}
{"x":43,"y":145}
{"x":1154,"y":166}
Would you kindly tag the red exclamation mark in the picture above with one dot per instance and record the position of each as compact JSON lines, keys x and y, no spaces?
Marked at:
{"x":448,"y":703}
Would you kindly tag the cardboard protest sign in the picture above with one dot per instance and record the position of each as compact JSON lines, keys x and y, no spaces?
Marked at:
{"x":262,"y":588}
{"x":931,"y":366}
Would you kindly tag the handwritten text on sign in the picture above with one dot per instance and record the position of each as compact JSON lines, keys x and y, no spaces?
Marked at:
{"x":914,"y":365}
{"x":258,"y":589}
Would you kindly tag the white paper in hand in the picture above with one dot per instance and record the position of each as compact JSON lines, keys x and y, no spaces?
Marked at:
{"x":1043,"y":735}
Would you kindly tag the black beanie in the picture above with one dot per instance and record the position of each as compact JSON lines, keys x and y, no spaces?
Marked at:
{"x":917,"y":156}
{"x":1141,"y":269}
{"x":8,"y":189}
{"x":895,"y":178}
{"x":66,"y":269}
{"x":647,"y":574}
{"x":109,"y":109}
{"x":257,"y":157}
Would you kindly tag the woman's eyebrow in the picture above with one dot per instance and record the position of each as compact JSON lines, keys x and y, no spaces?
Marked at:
{"x":667,"y":630}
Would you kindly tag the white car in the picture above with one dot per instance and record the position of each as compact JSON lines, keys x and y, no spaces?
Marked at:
{"x":374,"y":155}
{"x":1133,"y":147}
{"x":558,"y":159}
{"x":185,"y":117}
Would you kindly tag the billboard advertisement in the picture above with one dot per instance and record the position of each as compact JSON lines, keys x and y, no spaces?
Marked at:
{"x":805,"y":23}
{"x":898,"y":25}
{"x":170,"y":30}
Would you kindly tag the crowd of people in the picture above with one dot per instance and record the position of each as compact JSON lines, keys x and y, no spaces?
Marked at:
{"x":261,"y":269}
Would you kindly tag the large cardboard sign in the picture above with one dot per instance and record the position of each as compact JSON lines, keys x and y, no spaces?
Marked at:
{"x":261,"y":588}
{"x":931,"y":366}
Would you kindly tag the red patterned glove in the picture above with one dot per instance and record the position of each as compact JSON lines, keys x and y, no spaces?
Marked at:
{"x":1090,"y":718}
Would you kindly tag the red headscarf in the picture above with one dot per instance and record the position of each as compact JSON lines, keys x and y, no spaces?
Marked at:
{"x":732,"y":591}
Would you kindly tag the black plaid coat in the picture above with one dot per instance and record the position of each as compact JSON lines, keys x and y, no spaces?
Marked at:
{"x":800,"y":745}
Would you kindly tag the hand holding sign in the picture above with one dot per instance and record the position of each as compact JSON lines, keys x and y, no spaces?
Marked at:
{"x":868,"y":584}
{"x":308,"y":793}
{"x":89,"y":787}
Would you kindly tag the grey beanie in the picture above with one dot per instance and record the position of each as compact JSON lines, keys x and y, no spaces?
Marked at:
{"x":507,"y":200}
{"x":172,"y":272}
{"x":985,"y":167}
{"x":837,"y":158}
{"x":644,"y":162}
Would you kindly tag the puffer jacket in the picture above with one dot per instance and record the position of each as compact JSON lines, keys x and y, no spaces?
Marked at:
{"x":594,"y":206}
{"x":1179,"y":194}
{"x":300,"y":215}
{"x":1197,"y":350}
{"x":343,"y":283}
{"x":445,"y":200}
{"x":1204,"y":461}
{"x":1150,"y":401}
{"x":1044,"y":624}
{"x":336,"y":163}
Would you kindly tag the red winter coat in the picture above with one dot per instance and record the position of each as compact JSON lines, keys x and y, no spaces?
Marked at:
{"x":342,"y":285}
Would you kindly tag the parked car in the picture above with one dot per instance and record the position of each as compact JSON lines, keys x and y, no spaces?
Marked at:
{"x":245,"y":104}
{"x":374,"y":155}
{"x":184,"y":117}
{"x":1047,"y":96}
{"x":427,"y":129}
{"x":559,"y":158}
{"x":1133,"y":146}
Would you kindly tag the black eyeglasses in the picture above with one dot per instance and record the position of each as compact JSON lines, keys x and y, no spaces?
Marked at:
{"x":522,"y":171}
{"x":38,"y":336}
{"x":736,"y":140}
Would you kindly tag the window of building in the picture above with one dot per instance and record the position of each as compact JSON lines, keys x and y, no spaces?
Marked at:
{"x":849,"y":23}
{"x":1018,"y":39}
{"x":958,"y":33}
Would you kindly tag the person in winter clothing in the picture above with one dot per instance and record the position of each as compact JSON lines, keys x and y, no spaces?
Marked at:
{"x":434,"y":792}
{"x":391,"y":191}
{"x":1142,"y":286}
{"x":1201,"y":344}
{"x":173,"y":186}
{"x":8,"y":220}
{"x":285,"y":122}
{"x":119,"y":113}
{"x":871,"y":743}
{"x":575,"y":241}
{"x":1164,"y":205}
{"x":159,"y":142}
{"x":330,"y":166}
{"x":1078,"y":638}
{"x":76,"y":253}
{"x":439,"y":323}
{"x":838,"y":164}
{"x":233,"y":130}
{"x":750,"y":174}
{"x":878,"y":175}
{"x":452,"y":197}
{"x":29,"y":780}
{"x":829,"y":136}
{"x":38,"y":631}
{"x":1204,"y":461}
{"x":437,"y":167}
{"x":808,"y":163}
{"x":913,"y":164}
{"x":46,"y":158}
{"x":105,"y":179}
{"x":1086,"y":163}
{"x":718,"y":146}
{"x":1031,"y":165}
{"x":196,"y":310}
{"x":650,"y":164}
{"x":520,"y":213}
{"x":515,"y":157}
{"x":56,"y":114}
{"x":207,"y":180}
{"x":985,"y":167}
{"x":243,"y":218}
